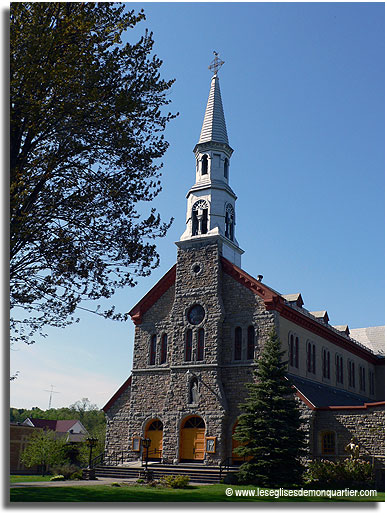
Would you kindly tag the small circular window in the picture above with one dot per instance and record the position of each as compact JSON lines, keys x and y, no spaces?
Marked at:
{"x":196,"y":314}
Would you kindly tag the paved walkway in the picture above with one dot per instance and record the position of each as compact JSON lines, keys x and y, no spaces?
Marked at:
{"x":80,"y":482}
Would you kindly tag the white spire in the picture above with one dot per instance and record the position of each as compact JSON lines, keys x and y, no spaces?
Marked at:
{"x":214,"y":125}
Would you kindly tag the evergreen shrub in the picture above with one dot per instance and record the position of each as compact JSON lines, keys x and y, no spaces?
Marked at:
{"x":341,"y":474}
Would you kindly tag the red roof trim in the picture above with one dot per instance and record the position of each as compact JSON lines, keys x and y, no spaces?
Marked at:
{"x":275,"y":302}
{"x":118,"y":394}
{"x":153,"y":295}
{"x":366,"y":405}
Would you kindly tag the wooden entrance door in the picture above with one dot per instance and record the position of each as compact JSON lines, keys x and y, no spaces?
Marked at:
{"x":192,"y":439}
{"x":155,"y":433}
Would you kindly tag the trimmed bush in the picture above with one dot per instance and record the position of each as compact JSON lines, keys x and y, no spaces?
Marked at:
{"x":175,"y":481}
{"x":67,"y":470}
{"x":57,"y":478}
{"x":340,"y":474}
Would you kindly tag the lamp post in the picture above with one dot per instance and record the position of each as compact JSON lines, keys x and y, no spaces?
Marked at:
{"x":146,"y":442}
{"x":91,"y":442}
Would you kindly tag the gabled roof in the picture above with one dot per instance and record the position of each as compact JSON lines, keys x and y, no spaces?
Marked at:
{"x":118,"y":394}
{"x":59,"y":426}
{"x":214,"y":125}
{"x":153,"y":295}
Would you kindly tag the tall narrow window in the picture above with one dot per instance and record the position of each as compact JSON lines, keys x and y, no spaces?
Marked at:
{"x":371,"y":381}
{"x":164,"y":347}
{"x":362,"y":378}
{"x":250,"y":342}
{"x":229,"y":222}
{"x":351,"y":373}
{"x":226,"y":165}
{"x":326,"y":364}
{"x":238,"y":344}
{"x":152,"y":350}
{"x":200,"y":351}
{"x":204,"y":165}
{"x":291,"y":350}
{"x":311,"y":357}
{"x":339,"y":369}
{"x":188,"y":345}
{"x":296,"y":347}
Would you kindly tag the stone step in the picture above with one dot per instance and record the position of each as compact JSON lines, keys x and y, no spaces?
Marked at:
{"x":196,"y":473}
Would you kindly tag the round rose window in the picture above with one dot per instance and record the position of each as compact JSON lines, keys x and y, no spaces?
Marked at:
{"x":196,"y":314}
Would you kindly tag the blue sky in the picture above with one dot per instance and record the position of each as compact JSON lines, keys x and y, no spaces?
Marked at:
{"x":303,"y":96}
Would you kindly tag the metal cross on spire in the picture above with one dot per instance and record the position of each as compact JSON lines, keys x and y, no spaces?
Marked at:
{"x":216,"y":63}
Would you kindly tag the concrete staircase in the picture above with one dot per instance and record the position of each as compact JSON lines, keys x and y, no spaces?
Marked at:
{"x":197,"y":473}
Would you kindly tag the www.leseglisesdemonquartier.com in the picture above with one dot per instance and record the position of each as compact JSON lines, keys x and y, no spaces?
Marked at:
{"x":299,"y":492}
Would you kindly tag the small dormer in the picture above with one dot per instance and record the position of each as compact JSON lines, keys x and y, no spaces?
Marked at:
{"x":322,"y":316}
{"x":342,"y":329}
{"x":294,"y":299}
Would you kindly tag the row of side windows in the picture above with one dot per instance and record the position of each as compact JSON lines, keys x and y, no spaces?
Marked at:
{"x":202,"y":165}
{"x":239,"y":352}
{"x":294,"y":353}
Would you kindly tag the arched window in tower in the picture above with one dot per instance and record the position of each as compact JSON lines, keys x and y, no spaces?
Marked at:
{"x":152,"y":350}
{"x":226,"y":166}
{"x":188,"y":345}
{"x":238,"y":344}
{"x":229,"y":220}
{"x":194,"y":391}
{"x":250,"y":342}
{"x":200,"y":349}
{"x":164,"y":347}
{"x":204,"y":165}
{"x":199,"y":218}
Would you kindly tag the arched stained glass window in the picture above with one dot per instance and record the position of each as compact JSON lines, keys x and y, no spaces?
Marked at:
{"x":238,"y":344}
{"x":200,"y":349}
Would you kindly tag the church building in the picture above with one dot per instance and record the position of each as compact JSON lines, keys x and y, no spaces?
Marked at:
{"x":200,"y":329}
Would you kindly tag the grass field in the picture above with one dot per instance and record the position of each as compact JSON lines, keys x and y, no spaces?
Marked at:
{"x":137,"y":493}
{"x":29,"y":479}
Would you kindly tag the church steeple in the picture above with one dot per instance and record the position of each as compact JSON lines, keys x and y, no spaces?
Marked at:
{"x":211,"y":201}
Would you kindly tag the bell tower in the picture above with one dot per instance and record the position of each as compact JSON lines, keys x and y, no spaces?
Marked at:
{"x":211,"y":201}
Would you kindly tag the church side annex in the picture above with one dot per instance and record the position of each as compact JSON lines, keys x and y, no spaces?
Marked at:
{"x":200,"y":328}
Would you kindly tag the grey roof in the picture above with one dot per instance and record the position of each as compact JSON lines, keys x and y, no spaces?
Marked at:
{"x":371,"y":337}
{"x":321,"y":395}
{"x":320,"y":314}
{"x":294,"y":297}
{"x":214,"y":125}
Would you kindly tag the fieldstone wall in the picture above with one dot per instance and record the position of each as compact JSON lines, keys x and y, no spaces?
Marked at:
{"x":366,"y":425}
{"x":117,"y":422}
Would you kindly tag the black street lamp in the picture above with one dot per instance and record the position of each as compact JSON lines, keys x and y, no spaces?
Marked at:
{"x":146,"y":443}
{"x":91,"y":442}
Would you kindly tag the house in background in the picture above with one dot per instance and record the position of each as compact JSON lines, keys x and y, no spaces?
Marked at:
{"x":74,"y":429}
{"x":20,"y":433}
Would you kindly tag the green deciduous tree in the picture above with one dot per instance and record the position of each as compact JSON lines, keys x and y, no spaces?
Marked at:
{"x":269,"y":426}
{"x":44,"y":449}
{"x":86,"y":138}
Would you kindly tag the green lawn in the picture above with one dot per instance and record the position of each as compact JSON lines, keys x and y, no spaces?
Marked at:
{"x":137,"y":493}
{"x":25,"y":479}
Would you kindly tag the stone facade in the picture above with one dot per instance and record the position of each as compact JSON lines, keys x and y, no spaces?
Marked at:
{"x":162,"y":390}
{"x":200,"y":328}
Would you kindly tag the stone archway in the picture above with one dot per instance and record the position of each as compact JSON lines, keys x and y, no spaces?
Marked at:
{"x":154,"y":431}
{"x":192,"y":439}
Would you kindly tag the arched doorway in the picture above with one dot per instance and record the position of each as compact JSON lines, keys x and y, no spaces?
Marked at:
{"x":192,"y":439}
{"x":154,"y":431}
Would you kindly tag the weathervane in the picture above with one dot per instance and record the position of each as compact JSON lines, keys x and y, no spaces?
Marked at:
{"x":216,"y":63}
